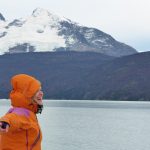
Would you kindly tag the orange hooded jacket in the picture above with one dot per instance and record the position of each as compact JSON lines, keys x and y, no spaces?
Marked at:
{"x":24,"y":132}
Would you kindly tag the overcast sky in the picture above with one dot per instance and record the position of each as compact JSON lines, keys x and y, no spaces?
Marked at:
{"x":128,"y":21}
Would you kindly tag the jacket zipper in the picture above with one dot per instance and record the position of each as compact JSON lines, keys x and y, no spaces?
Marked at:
{"x":27,"y":139}
{"x":36,"y":140}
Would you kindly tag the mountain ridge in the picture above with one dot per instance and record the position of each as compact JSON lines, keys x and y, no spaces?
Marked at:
{"x":81,"y":75}
{"x":2,"y":17}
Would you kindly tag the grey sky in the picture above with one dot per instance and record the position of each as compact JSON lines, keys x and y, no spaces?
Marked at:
{"x":128,"y":21}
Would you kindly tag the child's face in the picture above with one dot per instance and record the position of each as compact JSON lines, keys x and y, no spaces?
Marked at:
{"x":37,"y":98}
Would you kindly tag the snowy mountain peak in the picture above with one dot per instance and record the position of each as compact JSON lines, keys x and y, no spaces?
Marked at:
{"x":40,"y":12}
{"x":45,"y":31}
{"x":43,"y":13}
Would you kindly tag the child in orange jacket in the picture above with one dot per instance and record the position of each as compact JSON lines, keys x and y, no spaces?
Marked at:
{"x":19,"y":127}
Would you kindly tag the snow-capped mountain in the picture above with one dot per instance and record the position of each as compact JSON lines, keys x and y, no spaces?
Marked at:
{"x":44,"y":31}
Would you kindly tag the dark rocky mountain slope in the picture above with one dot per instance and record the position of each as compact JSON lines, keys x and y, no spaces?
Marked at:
{"x":81,"y":75}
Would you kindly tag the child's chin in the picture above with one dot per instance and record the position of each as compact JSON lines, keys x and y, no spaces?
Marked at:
{"x":40,"y":102}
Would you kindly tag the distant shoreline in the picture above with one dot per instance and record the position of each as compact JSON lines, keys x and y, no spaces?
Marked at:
{"x":91,"y":104}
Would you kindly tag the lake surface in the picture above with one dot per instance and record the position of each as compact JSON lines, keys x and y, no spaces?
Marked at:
{"x":93,"y":125}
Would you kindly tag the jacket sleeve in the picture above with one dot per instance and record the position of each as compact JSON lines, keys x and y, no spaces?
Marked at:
{"x":16,"y":121}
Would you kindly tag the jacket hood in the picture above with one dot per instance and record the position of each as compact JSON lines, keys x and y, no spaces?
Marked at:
{"x":23,"y":89}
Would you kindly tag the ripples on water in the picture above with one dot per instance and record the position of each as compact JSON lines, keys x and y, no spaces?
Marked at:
{"x":94,"y":125}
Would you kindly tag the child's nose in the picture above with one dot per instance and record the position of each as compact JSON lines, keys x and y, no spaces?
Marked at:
{"x":40,"y":93}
